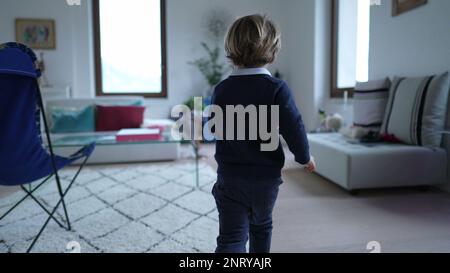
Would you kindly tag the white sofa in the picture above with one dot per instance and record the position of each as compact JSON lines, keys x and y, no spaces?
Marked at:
{"x":117,"y":153}
{"x":355,"y":166}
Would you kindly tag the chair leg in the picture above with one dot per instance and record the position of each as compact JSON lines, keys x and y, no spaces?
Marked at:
{"x":51,"y":214}
{"x":50,"y":146}
{"x":61,"y":195}
{"x":57,"y":205}
{"x":43,"y":227}
{"x":25,"y":197}
{"x":42,"y":206}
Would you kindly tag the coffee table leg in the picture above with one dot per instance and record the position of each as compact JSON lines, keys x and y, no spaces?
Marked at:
{"x":197,"y":181}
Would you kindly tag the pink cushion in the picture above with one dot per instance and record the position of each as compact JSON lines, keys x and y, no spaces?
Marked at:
{"x":115,"y":118}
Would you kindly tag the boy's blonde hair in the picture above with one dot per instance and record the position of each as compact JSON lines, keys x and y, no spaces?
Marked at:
{"x":252,"y":41}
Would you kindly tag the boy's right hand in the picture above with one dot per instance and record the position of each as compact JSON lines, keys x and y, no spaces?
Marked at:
{"x":311,"y":166}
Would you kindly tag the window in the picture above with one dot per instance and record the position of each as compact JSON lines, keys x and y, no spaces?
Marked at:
{"x":350,"y":50}
{"x":130,"y":54}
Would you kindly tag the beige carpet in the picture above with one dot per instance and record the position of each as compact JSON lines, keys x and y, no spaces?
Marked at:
{"x":133,"y":208}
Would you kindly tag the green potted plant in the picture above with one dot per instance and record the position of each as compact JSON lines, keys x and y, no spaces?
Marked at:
{"x":212,"y":66}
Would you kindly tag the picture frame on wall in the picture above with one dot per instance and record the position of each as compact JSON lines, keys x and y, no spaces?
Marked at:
{"x":36,"y":33}
{"x":402,"y":6}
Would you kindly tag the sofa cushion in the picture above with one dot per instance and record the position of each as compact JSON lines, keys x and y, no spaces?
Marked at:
{"x":104,"y":101}
{"x":71,"y":120}
{"x":416,"y":110}
{"x":80,"y":103}
{"x":115,"y":118}
{"x":369,"y":105}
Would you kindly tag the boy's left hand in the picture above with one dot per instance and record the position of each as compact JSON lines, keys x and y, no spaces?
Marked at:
{"x":311,"y":166}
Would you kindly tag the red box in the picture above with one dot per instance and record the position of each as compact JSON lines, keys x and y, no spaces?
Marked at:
{"x":138,"y":135}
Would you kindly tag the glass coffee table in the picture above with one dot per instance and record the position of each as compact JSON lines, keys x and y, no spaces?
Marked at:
{"x":78,"y":141}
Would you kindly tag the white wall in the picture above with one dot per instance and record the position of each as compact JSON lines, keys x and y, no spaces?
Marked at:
{"x":69,"y":64}
{"x":300,"y":43}
{"x":185,"y":32}
{"x":72,"y":63}
{"x":308,"y":47}
{"x":402,"y":45}
{"x":416,"y":43}
{"x":322,"y":61}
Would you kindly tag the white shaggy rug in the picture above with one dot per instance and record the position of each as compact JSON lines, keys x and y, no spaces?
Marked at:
{"x":128,"y":208}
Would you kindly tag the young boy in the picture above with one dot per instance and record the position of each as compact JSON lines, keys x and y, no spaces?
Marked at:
{"x":248,"y":178}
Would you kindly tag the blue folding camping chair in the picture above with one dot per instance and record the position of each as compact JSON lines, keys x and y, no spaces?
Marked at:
{"x":23,"y":157}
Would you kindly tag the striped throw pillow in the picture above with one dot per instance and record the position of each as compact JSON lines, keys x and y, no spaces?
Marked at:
{"x":369,"y":105}
{"x":417,"y":109}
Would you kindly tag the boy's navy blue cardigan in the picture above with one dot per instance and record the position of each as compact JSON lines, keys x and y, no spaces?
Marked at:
{"x":245,"y":158}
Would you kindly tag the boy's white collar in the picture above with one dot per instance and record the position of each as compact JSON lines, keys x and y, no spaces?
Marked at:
{"x":251,"y":71}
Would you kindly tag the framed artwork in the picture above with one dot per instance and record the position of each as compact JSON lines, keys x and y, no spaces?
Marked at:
{"x":401,"y":6}
{"x":36,"y":33}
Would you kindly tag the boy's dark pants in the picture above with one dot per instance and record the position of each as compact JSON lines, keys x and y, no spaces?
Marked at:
{"x":245,"y":207}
